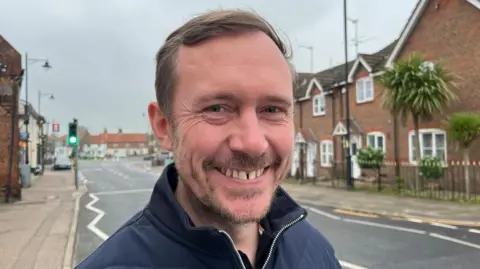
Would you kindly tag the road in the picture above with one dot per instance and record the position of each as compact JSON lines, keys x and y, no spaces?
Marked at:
{"x":117,"y":190}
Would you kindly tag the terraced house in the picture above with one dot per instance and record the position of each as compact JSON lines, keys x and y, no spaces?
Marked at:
{"x":441,"y":31}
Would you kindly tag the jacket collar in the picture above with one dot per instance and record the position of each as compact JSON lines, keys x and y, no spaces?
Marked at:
{"x":166,"y":211}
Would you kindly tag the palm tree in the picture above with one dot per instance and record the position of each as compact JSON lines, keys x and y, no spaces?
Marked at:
{"x":417,"y":88}
{"x":464,"y":129}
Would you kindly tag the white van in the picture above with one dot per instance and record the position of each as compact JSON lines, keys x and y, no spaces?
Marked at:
{"x":62,"y":162}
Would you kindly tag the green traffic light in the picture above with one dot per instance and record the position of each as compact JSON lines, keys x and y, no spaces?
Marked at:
{"x":72,"y":140}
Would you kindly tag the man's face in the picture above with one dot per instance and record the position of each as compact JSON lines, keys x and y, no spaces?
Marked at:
{"x":232,"y":127}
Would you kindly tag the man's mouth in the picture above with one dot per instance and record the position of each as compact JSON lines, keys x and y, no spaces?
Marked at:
{"x":242,"y":175}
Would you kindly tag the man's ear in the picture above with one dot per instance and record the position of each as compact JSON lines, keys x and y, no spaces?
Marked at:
{"x":160,"y":127}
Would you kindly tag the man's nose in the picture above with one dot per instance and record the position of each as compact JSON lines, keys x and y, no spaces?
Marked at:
{"x":249,"y":136}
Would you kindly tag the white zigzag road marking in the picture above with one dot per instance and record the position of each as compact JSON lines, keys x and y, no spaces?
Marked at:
{"x":92,"y":225}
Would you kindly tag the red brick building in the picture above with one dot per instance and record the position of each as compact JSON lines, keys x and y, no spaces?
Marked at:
{"x":442,"y":31}
{"x":115,"y":144}
{"x":10,"y":81}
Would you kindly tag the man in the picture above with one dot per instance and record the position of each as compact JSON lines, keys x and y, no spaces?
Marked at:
{"x":224,"y":88}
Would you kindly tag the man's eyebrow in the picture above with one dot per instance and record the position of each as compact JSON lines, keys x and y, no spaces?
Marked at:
{"x":278,"y":100}
{"x":230,"y":97}
{"x":217,"y":97}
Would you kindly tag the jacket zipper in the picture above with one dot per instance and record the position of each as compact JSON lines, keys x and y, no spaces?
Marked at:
{"x":272,"y":247}
{"x":234,"y":248}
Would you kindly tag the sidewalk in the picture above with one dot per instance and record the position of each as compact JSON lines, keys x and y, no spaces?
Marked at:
{"x":393,"y":206}
{"x":38,"y":232}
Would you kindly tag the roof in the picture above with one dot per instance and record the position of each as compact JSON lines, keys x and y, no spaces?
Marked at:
{"x":301,"y":85}
{"x":324,"y":79}
{"x":307,"y":135}
{"x":106,"y":138}
{"x":31,"y":110}
{"x":373,"y":62}
{"x":410,"y":26}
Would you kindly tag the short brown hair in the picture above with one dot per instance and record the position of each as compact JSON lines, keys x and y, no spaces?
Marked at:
{"x":201,"y":28}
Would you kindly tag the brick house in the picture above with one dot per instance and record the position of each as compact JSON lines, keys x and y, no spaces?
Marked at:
{"x":115,"y":145}
{"x":10,"y":82}
{"x":441,"y":31}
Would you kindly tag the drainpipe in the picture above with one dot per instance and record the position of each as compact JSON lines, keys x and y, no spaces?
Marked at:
{"x":334,"y":120}
{"x":302,"y":148}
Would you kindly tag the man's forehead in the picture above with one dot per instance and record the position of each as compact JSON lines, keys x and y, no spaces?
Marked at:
{"x":254,"y":48}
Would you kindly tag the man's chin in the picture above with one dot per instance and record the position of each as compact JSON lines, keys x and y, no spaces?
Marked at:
{"x":242,"y":211}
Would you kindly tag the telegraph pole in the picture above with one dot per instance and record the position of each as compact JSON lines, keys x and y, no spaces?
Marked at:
{"x":347,"y":101}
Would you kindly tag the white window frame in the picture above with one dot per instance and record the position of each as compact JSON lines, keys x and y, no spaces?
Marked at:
{"x":376,"y":135}
{"x":361,"y":91}
{"x":434,"y":132}
{"x":318,"y":110}
{"x":326,"y":162}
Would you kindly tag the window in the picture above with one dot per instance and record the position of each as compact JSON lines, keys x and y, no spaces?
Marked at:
{"x":433,"y":143}
{"x":364,"y":90}
{"x":326,"y":153}
{"x":318,"y":105}
{"x":376,"y":140}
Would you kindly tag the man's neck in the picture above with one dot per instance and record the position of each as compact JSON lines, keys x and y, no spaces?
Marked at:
{"x":244,"y":236}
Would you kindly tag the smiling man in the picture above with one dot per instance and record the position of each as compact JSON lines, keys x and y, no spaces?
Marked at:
{"x":224,"y":88}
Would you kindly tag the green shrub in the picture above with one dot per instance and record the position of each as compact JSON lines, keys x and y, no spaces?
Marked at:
{"x":370,"y":158}
{"x":431,"y":168}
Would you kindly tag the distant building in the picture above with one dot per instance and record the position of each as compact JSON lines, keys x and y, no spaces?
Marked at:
{"x":121,"y":145}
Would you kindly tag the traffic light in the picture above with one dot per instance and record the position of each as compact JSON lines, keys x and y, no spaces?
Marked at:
{"x":72,"y":133}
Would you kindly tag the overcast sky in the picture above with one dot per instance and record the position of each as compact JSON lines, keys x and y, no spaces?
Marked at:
{"x":102,"y":51}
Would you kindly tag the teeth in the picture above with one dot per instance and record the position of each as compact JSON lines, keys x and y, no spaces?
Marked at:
{"x":259,"y":172}
{"x":243,"y":175}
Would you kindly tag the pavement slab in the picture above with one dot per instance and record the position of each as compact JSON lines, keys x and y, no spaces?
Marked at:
{"x":35,"y":232}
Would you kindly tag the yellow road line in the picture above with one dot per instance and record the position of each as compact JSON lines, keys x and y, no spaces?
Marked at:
{"x":353,"y":213}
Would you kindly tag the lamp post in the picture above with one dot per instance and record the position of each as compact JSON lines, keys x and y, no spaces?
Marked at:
{"x":44,"y":94}
{"x":43,"y":135}
{"x":46,"y":66}
{"x":347,"y":100}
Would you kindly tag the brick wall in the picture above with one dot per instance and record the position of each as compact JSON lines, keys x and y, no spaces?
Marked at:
{"x":5,"y":140}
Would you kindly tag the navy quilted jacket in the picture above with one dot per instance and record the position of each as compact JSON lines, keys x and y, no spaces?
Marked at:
{"x":161,"y":237}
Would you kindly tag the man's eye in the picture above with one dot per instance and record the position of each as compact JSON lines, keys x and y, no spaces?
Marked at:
{"x":215,"y":108}
{"x":272,"y":109}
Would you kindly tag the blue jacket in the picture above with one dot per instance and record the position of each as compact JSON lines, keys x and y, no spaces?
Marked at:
{"x":161,"y":237}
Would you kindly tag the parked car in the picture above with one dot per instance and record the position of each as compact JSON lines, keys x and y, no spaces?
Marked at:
{"x":62,"y":163}
{"x":148,"y":157}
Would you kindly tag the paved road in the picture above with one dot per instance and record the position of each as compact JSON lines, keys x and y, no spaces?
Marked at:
{"x":117,"y":190}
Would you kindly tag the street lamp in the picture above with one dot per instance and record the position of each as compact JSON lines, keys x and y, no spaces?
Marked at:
{"x":42,"y":132}
{"x":46,"y":66}
{"x":44,"y":94}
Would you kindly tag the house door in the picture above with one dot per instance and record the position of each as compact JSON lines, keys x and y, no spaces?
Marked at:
{"x":311,"y":159}
{"x":355,"y":145}
{"x":295,"y":159}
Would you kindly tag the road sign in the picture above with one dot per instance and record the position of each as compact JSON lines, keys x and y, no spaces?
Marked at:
{"x":55,"y":127}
